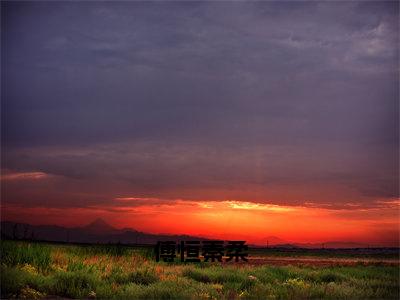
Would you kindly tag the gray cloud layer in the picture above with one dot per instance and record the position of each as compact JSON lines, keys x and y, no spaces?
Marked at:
{"x":190,"y":99}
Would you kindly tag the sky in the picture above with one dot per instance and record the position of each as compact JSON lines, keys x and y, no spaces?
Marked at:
{"x":220,"y":119}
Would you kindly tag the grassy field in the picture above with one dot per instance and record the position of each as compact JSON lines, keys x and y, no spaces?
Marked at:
{"x":38,"y":270}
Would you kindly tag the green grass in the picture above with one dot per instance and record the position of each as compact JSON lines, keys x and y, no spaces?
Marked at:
{"x":34,"y":270}
{"x":37,"y":255}
{"x":107,"y":249}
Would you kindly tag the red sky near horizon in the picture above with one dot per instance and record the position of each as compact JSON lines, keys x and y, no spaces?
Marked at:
{"x":258,"y":223}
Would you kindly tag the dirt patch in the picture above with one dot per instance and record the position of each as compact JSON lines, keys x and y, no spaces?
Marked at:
{"x":317,"y":261}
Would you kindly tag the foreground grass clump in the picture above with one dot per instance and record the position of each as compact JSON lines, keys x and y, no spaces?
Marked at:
{"x":37,"y":255}
{"x":138,"y":276}
{"x":76,"y":284}
{"x":35,"y":271}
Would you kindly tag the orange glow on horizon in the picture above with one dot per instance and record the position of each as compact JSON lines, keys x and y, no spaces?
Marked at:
{"x":254,"y":222}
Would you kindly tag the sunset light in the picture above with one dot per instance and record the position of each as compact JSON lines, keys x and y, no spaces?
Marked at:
{"x":254,"y":222}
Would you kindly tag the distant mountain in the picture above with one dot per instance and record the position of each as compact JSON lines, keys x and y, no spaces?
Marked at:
{"x":100,"y":227}
{"x":97,"y":231}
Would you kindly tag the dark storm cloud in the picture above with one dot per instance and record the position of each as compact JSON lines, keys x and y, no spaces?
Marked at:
{"x":166,"y":98}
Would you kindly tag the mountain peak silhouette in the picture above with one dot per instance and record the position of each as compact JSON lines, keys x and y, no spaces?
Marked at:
{"x":99,"y":226}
